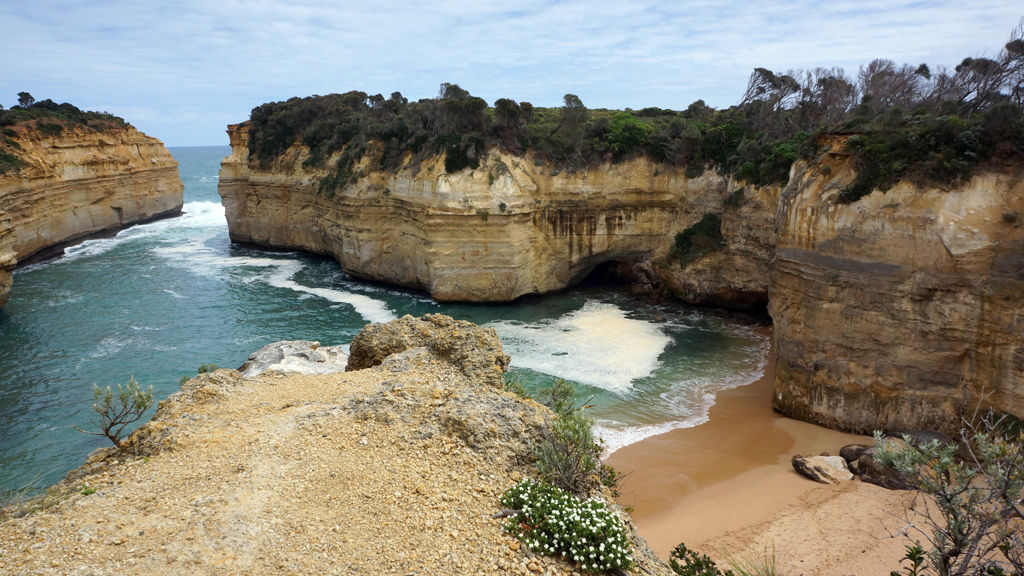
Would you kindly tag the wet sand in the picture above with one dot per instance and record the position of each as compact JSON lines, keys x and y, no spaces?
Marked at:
{"x":727,"y":488}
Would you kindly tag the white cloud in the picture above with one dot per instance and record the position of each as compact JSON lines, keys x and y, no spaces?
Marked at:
{"x":183,"y":71}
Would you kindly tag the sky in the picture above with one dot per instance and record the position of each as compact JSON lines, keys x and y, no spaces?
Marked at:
{"x":182,"y":71}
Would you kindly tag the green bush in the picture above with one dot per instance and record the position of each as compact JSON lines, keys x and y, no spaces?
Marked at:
{"x":686,"y":562}
{"x":115,"y":412}
{"x":976,"y":525}
{"x":204,"y":368}
{"x":700,"y":239}
{"x":551,"y":521}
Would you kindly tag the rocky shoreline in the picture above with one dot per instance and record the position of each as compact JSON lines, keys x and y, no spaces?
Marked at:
{"x":396,"y":467}
{"x":78,"y":185}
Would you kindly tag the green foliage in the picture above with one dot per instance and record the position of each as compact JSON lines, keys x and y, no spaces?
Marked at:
{"x":568,"y":455}
{"x":115,"y":412}
{"x":700,"y":239}
{"x":686,"y":562}
{"x":50,"y":110}
{"x":915,"y":555}
{"x":976,"y":525}
{"x":204,"y":368}
{"x":87,"y":490}
{"x":627,"y":134}
{"x":9,"y":162}
{"x":514,"y":384}
{"x":50,"y":128}
{"x":735,"y":199}
{"x":552,"y":521}
{"x":923,"y":149}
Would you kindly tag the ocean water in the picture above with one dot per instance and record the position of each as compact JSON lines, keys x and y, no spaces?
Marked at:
{"x":158,"y":300}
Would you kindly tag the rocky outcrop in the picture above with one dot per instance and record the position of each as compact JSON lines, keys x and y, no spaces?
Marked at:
{"x":295,"y":357}
{"x":514,"y":226}
{"x":81,"y":183}
{"x":476,"y":350}
{"x":902,"y":310}
{"x":395,"y":467}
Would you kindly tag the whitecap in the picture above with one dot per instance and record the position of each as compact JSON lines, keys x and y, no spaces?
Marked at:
{"x":597,"y":345}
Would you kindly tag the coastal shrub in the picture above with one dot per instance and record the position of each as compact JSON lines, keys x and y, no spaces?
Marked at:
{"x":551,"y":521}
{"x":700,"y":239}
{"x":976,"y":522}
{"x":764,"y":564}
{"x":568,"y":454}
{"x":204,"y":368}
{"x":686,"y":562}
{"x":115,"y":412}
{"x":734,"y":200}
{"x":514,"y":384}
{"x":9,"y":162}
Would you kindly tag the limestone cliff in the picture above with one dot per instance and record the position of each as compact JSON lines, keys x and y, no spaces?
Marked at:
{"x":82,"y":182}
{"x":902,"y":309}
{"x":7,"y":257}
{"x":514,"y":226}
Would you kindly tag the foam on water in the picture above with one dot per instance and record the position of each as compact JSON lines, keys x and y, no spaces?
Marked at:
{"x":596,"y":345}
{"x":691,"y":411}
{"x":194,"y":215}
{"x":203,"y":260}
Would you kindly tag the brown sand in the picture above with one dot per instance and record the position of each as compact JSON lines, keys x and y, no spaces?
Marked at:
{"x":727,"y":488}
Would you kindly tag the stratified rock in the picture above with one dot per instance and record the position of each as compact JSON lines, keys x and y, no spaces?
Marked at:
{"x":82,"y":183}
{"x":504,"y":230}
{"x":8,"y":259}
{"x":295,"y":357}
{"x":473,"y":349}
{"x":904,"y":309}
{"x":824,"y":469}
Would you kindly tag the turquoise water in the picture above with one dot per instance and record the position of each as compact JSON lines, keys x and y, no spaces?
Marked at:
{"x":160,"y":299}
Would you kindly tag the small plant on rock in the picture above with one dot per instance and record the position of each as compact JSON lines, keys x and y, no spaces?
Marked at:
{"x":551,"y":521}
{"x":115,"y":412}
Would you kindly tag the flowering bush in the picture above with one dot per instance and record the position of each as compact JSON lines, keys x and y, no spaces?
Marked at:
{"x":552,"y":521}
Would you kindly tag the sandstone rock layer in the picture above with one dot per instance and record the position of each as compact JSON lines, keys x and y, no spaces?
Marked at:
{"x":510,"y":228}
{"x":902,"y":310}
{"x":81,"y":183}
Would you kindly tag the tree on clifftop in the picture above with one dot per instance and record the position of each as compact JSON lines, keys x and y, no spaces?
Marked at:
{"x":25,"y":99}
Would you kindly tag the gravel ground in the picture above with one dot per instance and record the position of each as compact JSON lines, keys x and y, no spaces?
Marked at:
{"x":395,"y":469}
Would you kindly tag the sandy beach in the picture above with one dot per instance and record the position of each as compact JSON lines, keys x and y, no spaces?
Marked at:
{"x":727,"y":488}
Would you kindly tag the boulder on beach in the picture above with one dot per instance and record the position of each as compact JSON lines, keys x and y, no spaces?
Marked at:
{"x":824,"y":469}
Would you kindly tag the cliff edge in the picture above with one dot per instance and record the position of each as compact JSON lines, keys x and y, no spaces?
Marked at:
{"x":902,"y":310}
{"x":78,"y":183}
{"x":395,"y":468}
{"x":513,"y":226}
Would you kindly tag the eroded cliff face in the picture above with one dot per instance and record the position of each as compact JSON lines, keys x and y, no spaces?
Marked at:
{"x":902,"y":310}
{"x":80,"y":183}
{"x":7,"y":257}
{"x":510,"y":228}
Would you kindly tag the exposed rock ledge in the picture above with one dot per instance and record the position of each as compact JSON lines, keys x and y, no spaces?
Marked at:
{"x":80,"y":184}
{"x":510,"y":228}
{"x":391,"y":469}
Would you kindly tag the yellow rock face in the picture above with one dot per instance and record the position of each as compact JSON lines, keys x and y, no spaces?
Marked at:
{"x":902,"y":310}
{"x":507,"y":229}
{"x":81,"y":183}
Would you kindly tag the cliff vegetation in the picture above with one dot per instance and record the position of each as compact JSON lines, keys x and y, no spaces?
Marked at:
{"x":47,"y":118}
{"x":907,"y":122}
